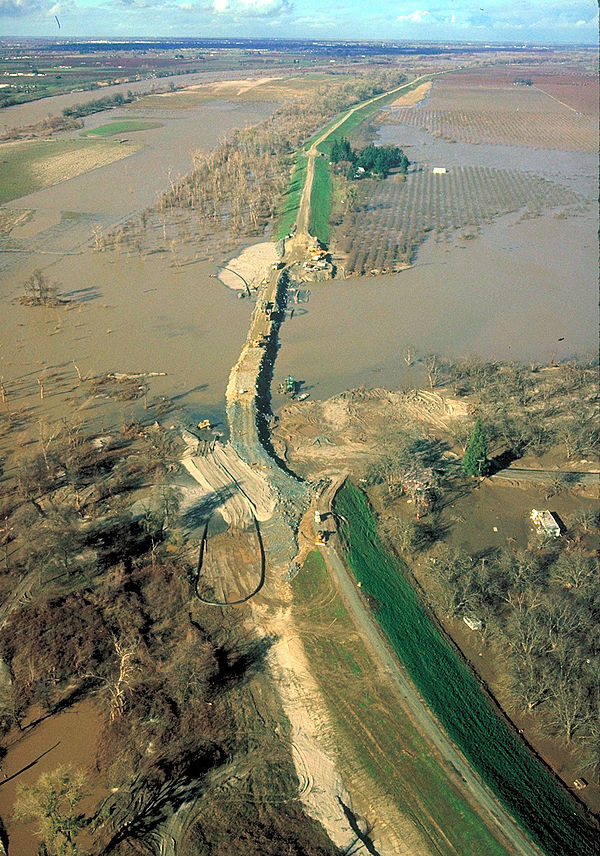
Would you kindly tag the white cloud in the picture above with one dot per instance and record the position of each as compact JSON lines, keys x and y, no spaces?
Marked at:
{"x":252,"y":8}
{"x":18,"y":7}
{"x":419,"y":16}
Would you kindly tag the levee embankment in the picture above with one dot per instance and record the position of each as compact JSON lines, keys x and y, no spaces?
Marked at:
{"x":248,"y":415}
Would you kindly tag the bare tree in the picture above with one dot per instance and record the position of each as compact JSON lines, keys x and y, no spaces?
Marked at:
{"x":120,"y":685}
{"x":575,"y":570}
{"x":409,"y":354}
{"x":569,"y":710}
{"x":433,"y":370}
{"x":39,"y":290}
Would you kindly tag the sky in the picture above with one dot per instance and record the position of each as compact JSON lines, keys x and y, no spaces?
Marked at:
{"x":514,"y":21}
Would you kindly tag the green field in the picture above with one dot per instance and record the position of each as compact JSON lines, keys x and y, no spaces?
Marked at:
{"x":32,"y":165}
{"x":291,"y":200}
{"x":376,"y":734}
{"x":120,"y":126}
{"x":321,"y":201}
{"x":523,"y":784}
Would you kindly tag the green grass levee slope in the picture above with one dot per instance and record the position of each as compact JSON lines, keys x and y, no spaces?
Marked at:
{"x":291,"y":201}
{"x":320,"y":201}
{"x":374,"y":736}
{"x":525,"y":786}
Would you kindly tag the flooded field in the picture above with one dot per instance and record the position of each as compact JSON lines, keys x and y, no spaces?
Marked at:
{"x":128,"y":313}
{"x":523,"y":290}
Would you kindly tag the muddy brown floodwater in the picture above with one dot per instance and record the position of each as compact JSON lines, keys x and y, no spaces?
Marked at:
{"x":129,"y":314}
{"x":65,"y":738}
{"x":524,"y":289}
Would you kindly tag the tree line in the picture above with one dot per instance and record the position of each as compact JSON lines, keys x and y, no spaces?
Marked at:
{"x":97,"y":105}
{"x":373,"y":160}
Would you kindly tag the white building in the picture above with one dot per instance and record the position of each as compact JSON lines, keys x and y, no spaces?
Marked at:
{"x":545,"y":523}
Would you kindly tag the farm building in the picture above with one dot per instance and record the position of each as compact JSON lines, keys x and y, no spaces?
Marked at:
{"x":545,"y":523}
{"x":439,"y":170}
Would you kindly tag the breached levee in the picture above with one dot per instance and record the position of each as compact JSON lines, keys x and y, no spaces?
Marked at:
{"x":248,"y":412}
{"x":248,"y":268}
{"x":238,"y":492}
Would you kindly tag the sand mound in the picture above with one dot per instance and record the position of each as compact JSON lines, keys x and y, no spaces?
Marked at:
{"x":251,"y":265}
{"x":228,"y":484}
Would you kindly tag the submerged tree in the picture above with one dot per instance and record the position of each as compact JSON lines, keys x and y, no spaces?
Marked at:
{"x":475,"y":461}
{"x":52,"y":803}
{"x":39,"y":290}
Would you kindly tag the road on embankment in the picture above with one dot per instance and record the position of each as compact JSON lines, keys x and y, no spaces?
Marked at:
{"x":453,"y":759}
{"x":242,"y":408}
{"x":303,"y":217}
{"x":533,"y":475}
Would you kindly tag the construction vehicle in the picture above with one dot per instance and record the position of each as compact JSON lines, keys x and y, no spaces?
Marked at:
{"x":321,"y":537}
{"x":204,"y":425}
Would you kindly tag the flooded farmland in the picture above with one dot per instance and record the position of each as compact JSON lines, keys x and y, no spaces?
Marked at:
{"x":524,"y":289}
{"x":128,"y":313}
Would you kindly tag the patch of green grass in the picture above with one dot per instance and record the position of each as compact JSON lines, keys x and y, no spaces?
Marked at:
{"x":291,"y":201}
{"x":377,"y":736}
{"x":320,"y":201}
{"x":28,"y":166}
{"x":524,"y":785}
{"x":120,"y":126}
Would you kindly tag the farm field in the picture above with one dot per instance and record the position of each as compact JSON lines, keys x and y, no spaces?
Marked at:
{"x":31,"y":166}
{"x":489,"y":108}
{"x":574,"y":85}
{"x":249,"y":89}
{"x":120,"y":126}
{"x":391,"y":218}
{"x":525,"y":787}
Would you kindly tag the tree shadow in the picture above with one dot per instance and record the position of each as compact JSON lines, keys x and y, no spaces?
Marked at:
{"x":363,"y":837}
{"x":181,"y":395}
{"x":203,"y":510}
{"x":83,"y":295}
{"x":237,"y":667}
{"x":503,"y":461}
{"x":30,"y":765}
